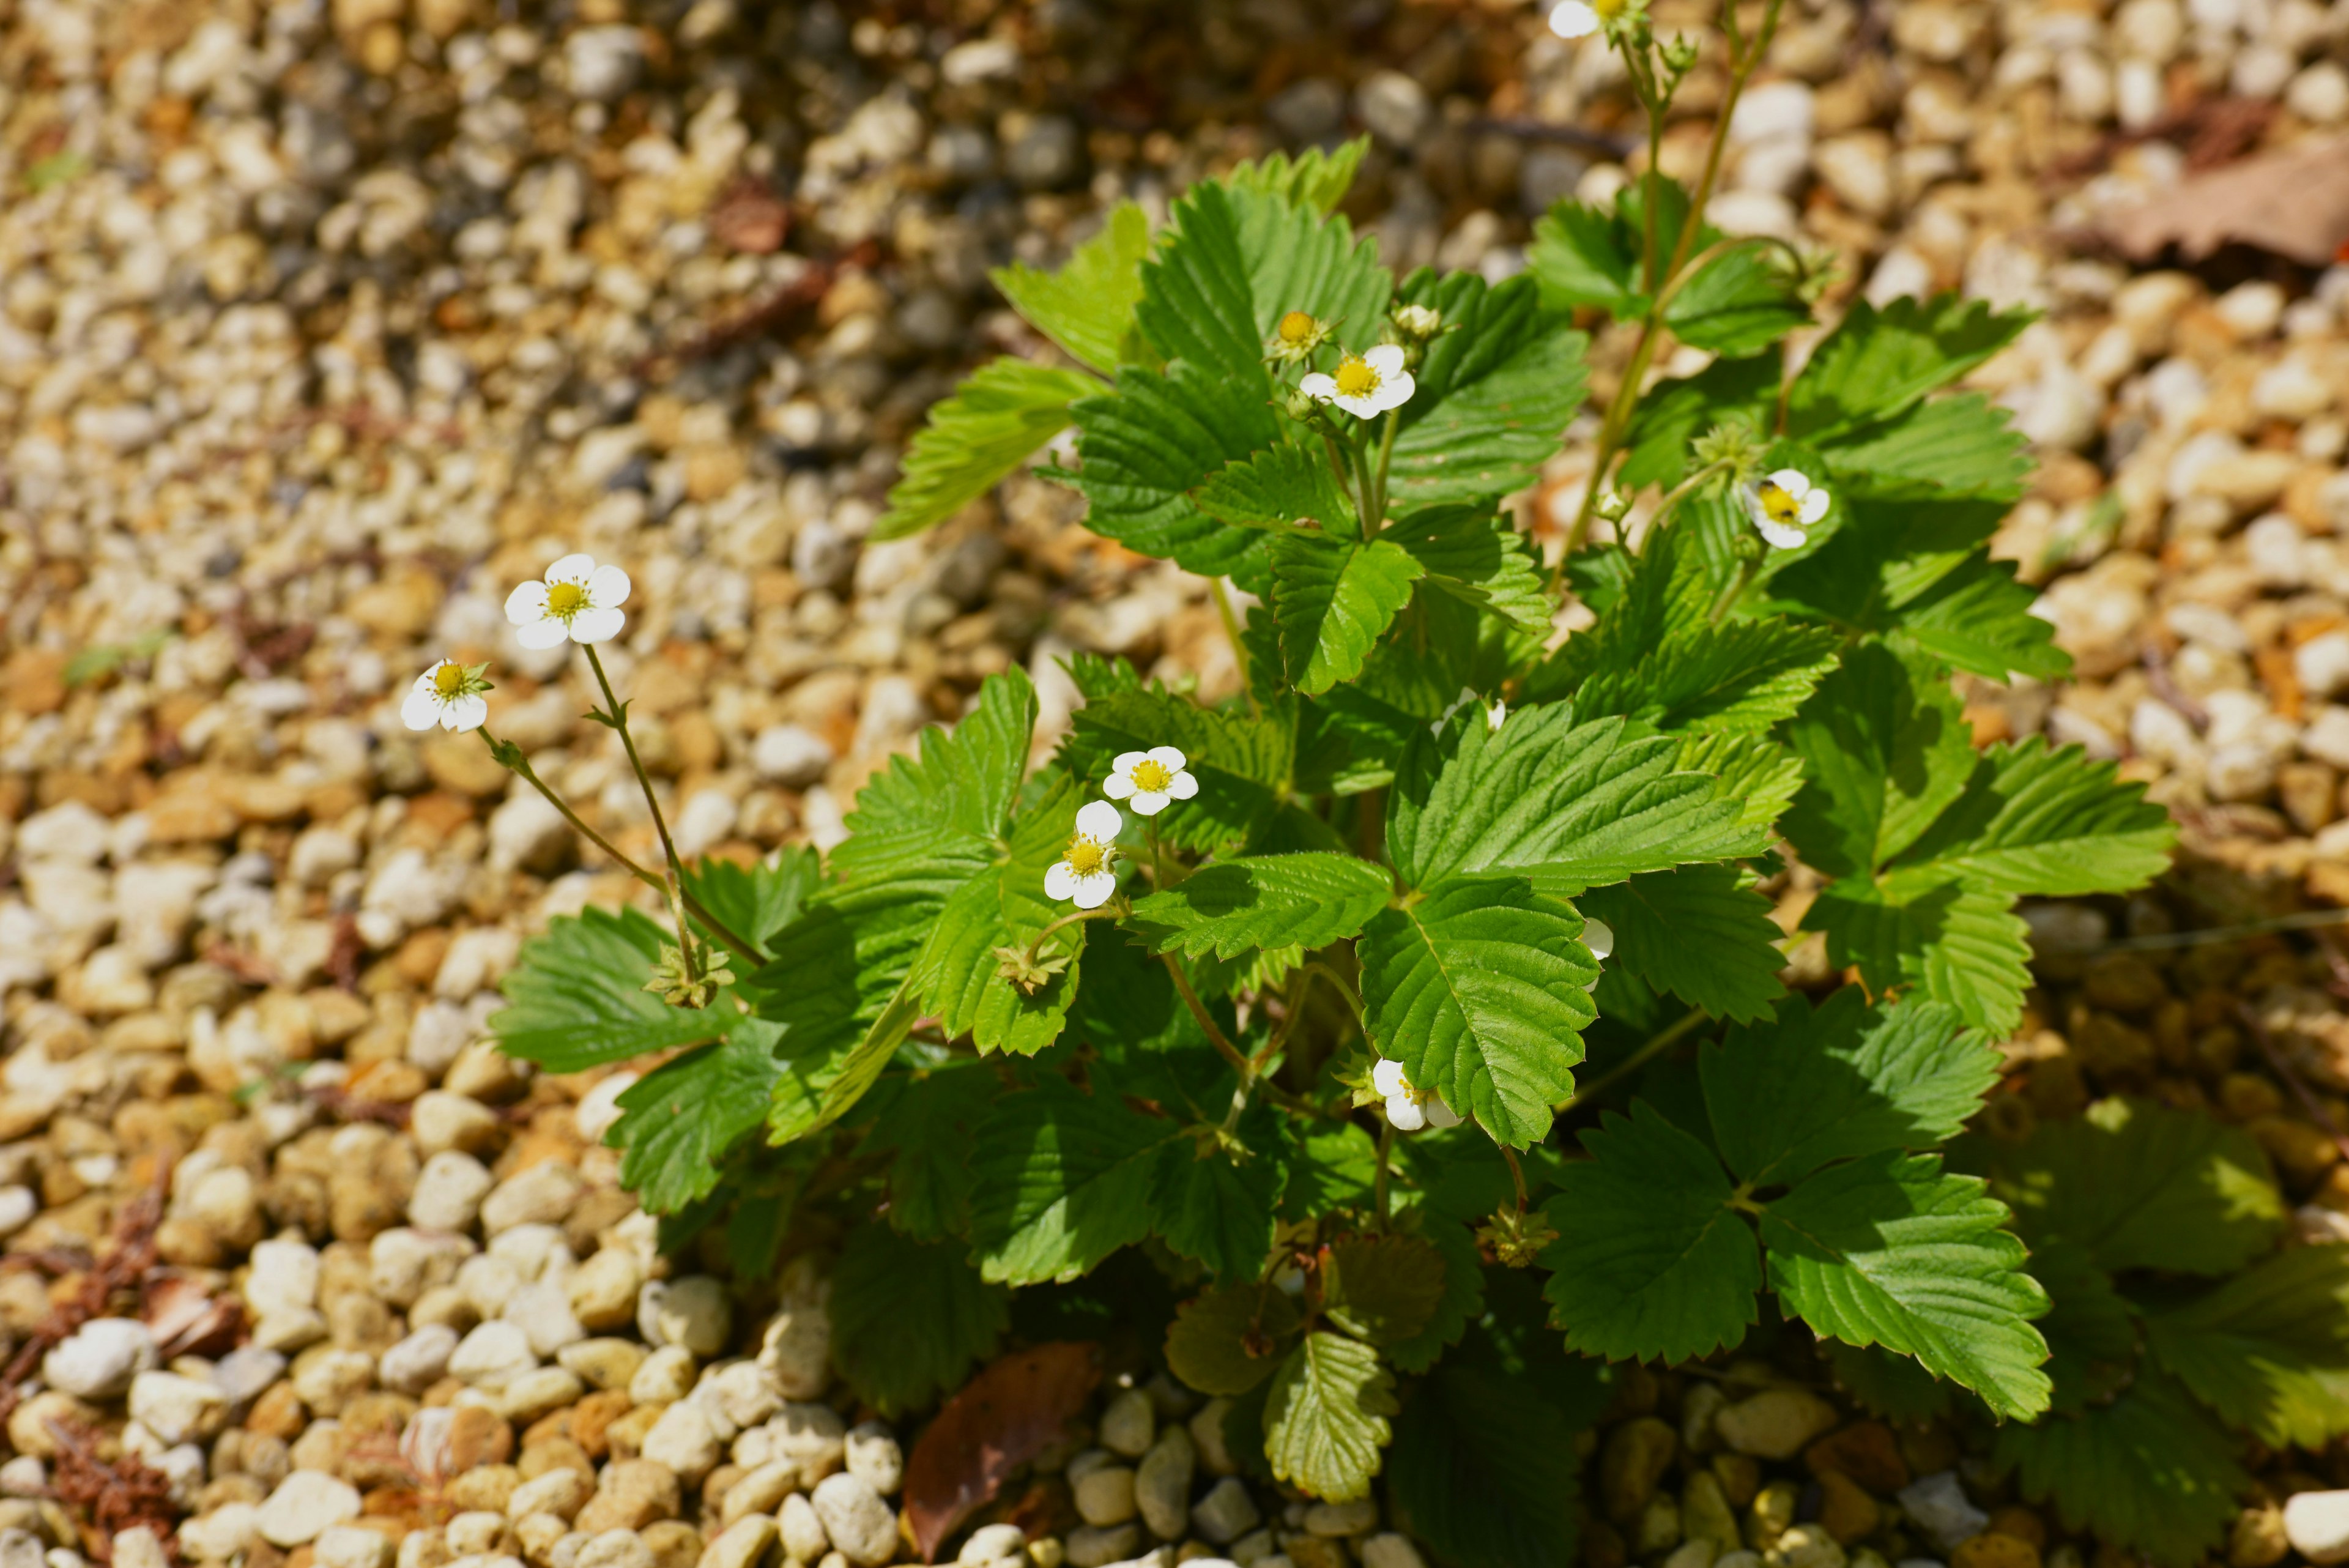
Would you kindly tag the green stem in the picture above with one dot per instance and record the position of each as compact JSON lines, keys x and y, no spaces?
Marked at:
{"x":1230,"y":618}
{"x":1386,"y":456}
{"x":1076,"y":917}
{"x":1338,"y":982}
{"x":1672,"y":499}
{"x":1379,"y":1181}
{"x":1216,"y":1036}
{"x":1663,"y":1040}
{"x":1735,"y":591}
{"x":1364,"y":488}
{"x":1516,"y":1174}
{"x":636,"y":764}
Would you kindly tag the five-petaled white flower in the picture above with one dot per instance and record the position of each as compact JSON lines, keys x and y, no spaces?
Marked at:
{"x":1366,"y":387}
{"x":1410,"y":1109}
{"x":1573,"y":19}
{"x":579,"y":600}
{"x":1784,"y":506}
{"x":1149,"y":780}
{"x":1599,"y":938}
{"x":1083,"y":872}
{"x":450,"y":695}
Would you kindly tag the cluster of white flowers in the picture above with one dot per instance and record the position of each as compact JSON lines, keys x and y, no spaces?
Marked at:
{"x":576,"y":600}
{"x":1149,"y":782}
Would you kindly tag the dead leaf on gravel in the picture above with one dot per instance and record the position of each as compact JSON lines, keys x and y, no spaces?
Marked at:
{"x":2294,"y":202}
{"x":187,"y":1319}
{"x":1002,"y":1419}
{"x":750,"y":217}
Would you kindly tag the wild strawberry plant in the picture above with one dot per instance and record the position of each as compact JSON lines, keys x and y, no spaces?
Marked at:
{"x":1314,"y":1012}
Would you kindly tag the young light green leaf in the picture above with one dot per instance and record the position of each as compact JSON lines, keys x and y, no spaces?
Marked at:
{"x":679,"y":1121}
{"x":1384,"y":1289}
{"x":1735,"y":303}
{"x":1477,"y":987}
{"x":1267,"y":901}
{"x":1226,"y":1340}
{"x":578,"y":997}
{"x":1482,"y":1471}
{"x":1318,"y":177}
{"x":1889,"y":750}
{"x":757,"y":900}
{"x":992,"y":423}
{"x":2268,"y":1349}
{"x":1153,"y":441}
{"x":925,"y":1122}
{"x":1325,"y":1419}
{"x":960,"y":975}
{"x":1698,"y":932}
{"x":1673,"y":413}
{"x":1480,"y":558}
{"x":1492,"y":397}
{"x":2150,"y":1473}
{"x":1888,"y":1249}
{"x":1738,"y":303}
{"x":910,"y":1319}
{"x":1651,"y":1262}
{"x":1332,"y":600}
{"x":1850,"y":1078}
{"x":932,"y":819}
{"x":1060,"y":1179}
{"x":1281,"y":487}
{"x":1877,"y":362}
{"x":1086,"y":307}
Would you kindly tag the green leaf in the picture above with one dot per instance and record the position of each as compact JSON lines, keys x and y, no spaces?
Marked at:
{"x":1333,"y":599}
{"x":1484,"y":1471}
{"x":958,"y":976}
{"x":1285,"y":486}
{"x":1267,"y":901}
{"x":578,"y":999}
{"x":1882,"y":555}
{"x":761,"y":899}
{"x":1479,"y":557}
{"x":1214,"y":1203}
{"x":1888,"y":1249}
{"x":1492,"y":397}
{"x":994,"y":422}
{"x":1698,"y":932}
{"x":2141,"y":1185}
{"x":1673,"y":413}
{"x":1889,"y":750}
{"x":1226,"y":1340}
{"x":910,"y":1319}
{"x":1738,"y":303}
{"x":1463,"y":1301}
{"x":2151,"y":1472}
{"x":1477,"y":988}
{"x":1384,"y":1289}
{"x":679,"y":1122}
{"x":1734,"y":304}
{"x":1877,"y":362}
{"x":1955,"y":446}
{"x":1334,"y":1167}
{"x":2034,"y":820}
{"x":1148,"y":445}
{"x":931,"y":820}
{"x":2091,"y":1329}
{"x":1325,"y":1419}
{"x":1318,"y":177}
{"x":1848,"y":1079}
{"x":1243,"y":764}
{"x":1651,"y":1262}
{"x":1060,"y":1179}
{"x":1979,"y":618}
{"x":2268,"y":1349}
{"x":1957,"y":944}
{"x":926,"y":1123}
{"x":1087,"y":306}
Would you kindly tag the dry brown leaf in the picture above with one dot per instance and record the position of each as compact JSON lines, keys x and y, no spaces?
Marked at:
{"x":1002,"y":1419}
{"x":2294,"y":202}
{"x":187,"y":1319}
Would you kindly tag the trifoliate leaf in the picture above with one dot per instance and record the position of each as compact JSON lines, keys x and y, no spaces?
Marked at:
{"x":1480,"y":558}
{"x":1651,"y":1262}
{"x":1483,"y":1472}
{"x":1228,"y":1339}
{"x":578,"y":999}
{"x":1214,"y":1198}
{"x":1087,"y":305}
{"x":1267,"y":901}
{"x":1325,"y":1418}
{"x":2141,"y":1185}
{"x":679,"y":1121}
{"x":2150,"y":1473}
{"x":1281,"y":487}
{"x":1384,"y":1289}
{"x":1889,"y":750}
{"x":932,"y":819}
{"x":924,"y":1122}
{"x":1877,"y":362}
{"x":1333,"y":599}
{"x":1150,"y":444}
{"x":1955,"y":943}
{"x":2268,"y":1349}
{"x":1492,"y":396}
{"x":2034,"y":820}
{"x":1318,"y":177}
{"x":910,"y":1319}
{"x":1463,"y":1301}
{"x":983,"y":972}
{"x":1979,"y":618}
{"x":1243,"y":764}
{"x":1888,"y":1249}
{"x":1477,"y":988}
{"x":757,"y":900}
{"x":992,"y":423}
{"x":1697,"y":933}
{"x":1061,"y":1179}
{"x":1849,"y":1078}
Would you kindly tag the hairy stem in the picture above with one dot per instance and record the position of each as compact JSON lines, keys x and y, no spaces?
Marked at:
{"x":1672,"y":499}
{"x":1379,"y":1181}
{"x":1379,"y":475}
{"x":1216,"y":1036}
{"x":1077,"y":917}
{"x":1735,"y":591}
{"x":1230,"y":618}
{"x":1516,"y":1174}
{"x":1663,"y":1040}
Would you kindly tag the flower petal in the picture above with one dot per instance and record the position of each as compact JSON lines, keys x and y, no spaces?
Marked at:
{"x":1438,"y":1114}
{"x":1598,"y":937}
{"x":1573,"y":19}
{"x":1093,"y":891}
{"x":526,"y":604}
{"x":1387,"y":1078}
{"x":1784,"y":535}
{"x":1182,"y":786}
{"x":1118,"y":785}
{"x":1815,"y":506}
{"x":1148,"y":802}
{"x":1319,"y":386}
{"x":1792,"y":482}
{"x":1360,"y":408}
{"x":598,"y":625}
{"x":608,"y":587}
{"x":422,"y":710}
{"x":542,"y":634}
{"x":1386,"y":360}
{"x":1099,"y":821}
{"x":1167,"y":757}
{"x":575,"y":567}
{"x":470,"y":712}
{"x":1406,"y":1114}
{"x":1395,"y":393}
{"x":1125,"y":760}
{"x":1060,"y":880}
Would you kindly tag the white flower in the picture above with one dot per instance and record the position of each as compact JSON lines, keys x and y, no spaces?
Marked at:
{"x":1084,"y":872}
{"x":579,"y":599}
{"x":1365,"y":387}
{"x":1573,"y":19}
{"x":1148,"y":781}
{"x":450,"y":695}
{"x":1409,"y":1109}
{"x":1599,"y":938}
{"x":1784,"y":506}
{"x":1493,"y":715}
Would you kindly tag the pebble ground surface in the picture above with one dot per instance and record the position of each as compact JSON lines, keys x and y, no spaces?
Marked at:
{"x":323,"y":324}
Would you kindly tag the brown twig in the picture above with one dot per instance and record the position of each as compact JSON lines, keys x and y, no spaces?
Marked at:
{"x":2309,"y":1104}
{"x":118,"y":1494}
{"x":125,"y":1267}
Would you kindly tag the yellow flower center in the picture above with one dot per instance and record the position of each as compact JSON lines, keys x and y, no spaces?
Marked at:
{"x":1295,"y":327}
{"x":1780,"y":505}
{"x":1355,"y":378}
{"x":1086,"y":857}
{"x":448,"y":682}
{"x":1151,"y":776}
{"x":1608,"y":9}
{"x":564,"y":600}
